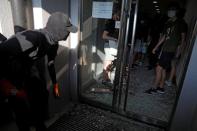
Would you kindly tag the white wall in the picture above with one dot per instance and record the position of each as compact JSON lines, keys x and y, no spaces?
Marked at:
{"x":6,"y":19}
{"x":37,"y":14}
{"x":185,"y":116}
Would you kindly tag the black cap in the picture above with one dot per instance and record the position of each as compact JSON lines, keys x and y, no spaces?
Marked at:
{"x":173,"y":6}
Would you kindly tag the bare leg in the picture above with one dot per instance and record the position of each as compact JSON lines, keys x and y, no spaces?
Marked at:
{"x":172,"y":72}
{"x":158,"y":75}
{"x":105,"y":71}
{"x":106,"y":63}
{"x":157,"y":80}
{"x":161,"y":85}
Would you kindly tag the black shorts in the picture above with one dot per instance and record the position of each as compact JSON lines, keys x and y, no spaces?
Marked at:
{"x":165,"y":60}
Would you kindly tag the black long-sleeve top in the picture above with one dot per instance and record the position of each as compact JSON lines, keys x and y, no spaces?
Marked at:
{"x":29,"y":46}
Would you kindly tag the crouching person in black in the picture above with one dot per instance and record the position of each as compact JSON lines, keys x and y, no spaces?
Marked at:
{"x":21,"y":78}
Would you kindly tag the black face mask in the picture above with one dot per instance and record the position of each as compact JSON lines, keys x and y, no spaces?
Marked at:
{"x":66,"y":36}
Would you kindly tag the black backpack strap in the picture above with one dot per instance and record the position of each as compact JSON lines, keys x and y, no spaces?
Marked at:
{"x":2,"y":38}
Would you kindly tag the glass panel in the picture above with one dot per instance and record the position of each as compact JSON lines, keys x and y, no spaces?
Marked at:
{"x":154,"y":104}
{"x":95,"y":85}
{"x":93,"y":58}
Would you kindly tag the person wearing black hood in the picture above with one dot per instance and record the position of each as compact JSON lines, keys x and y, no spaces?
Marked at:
{"x":21,"y":81}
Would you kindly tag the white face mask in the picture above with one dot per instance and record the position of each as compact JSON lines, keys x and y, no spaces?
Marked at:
{"x":171,"y":13}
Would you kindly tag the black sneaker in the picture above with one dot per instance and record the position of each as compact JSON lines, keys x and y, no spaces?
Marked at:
{"x":149,"y":67}
{"x":160,"y":90}
{"x":106,"y":81}
{"x":150,"y":91}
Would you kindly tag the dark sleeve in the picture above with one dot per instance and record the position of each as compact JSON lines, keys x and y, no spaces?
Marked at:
{"x":10,"y":47}
{"x":183,"y":27}
{"x":51,"y":59}
{"x":165,"y":27}
{"x":109,"y":25}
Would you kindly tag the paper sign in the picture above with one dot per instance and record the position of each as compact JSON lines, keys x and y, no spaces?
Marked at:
{"x":117,"y":26}
{"x":102,"y":10}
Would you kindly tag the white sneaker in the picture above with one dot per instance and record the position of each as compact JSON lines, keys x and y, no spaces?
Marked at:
{"x":168,"y":83}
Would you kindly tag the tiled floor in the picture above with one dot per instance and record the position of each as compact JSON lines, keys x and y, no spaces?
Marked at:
{"x":86,"y":118}
{"x":81,"y":117}
{"x":157,"y":106}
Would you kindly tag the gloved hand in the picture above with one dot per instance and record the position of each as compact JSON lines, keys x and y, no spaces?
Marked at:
{"x":56,"y":92}
{"x":6,"y":87}
{"x":21,"y":94}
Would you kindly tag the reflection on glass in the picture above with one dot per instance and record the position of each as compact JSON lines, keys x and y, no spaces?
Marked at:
{"x":144,"y":98}
{"x":98,"y":49}
{"x":98,"y":54}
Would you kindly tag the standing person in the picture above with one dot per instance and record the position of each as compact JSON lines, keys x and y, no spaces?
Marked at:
{"x":173,"y":37}
{"x":141,"y":43}
{"x":154,"y":35}
{"x":21,"y":80}
{"x":175,"y":60}
{"x":110,"y":35}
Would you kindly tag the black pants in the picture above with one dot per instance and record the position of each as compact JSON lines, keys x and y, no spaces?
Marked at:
{"x":22,"y":112}
{"x":166,"y":59}
{"x":33,"y":110}
{"x":38,"y":102}
{"x":152,"y":59}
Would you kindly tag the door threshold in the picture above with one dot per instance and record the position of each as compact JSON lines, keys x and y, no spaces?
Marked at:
{"x":133,"y":116}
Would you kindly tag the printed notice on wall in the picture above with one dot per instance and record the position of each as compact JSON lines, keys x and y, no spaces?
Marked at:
{"x":102,"y":10}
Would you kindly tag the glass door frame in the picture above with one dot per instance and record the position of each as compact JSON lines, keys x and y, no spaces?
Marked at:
{"x":121,"y":64}
{"x":115,"y":106}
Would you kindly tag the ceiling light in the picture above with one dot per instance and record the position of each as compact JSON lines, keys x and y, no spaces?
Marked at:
{"x":155,"y":2}
{"x":158,"y":9}
{"x":156,"y":6}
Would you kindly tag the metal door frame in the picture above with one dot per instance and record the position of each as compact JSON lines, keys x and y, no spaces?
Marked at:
{"x":121,"y":60}
{"x":121,"y":63}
